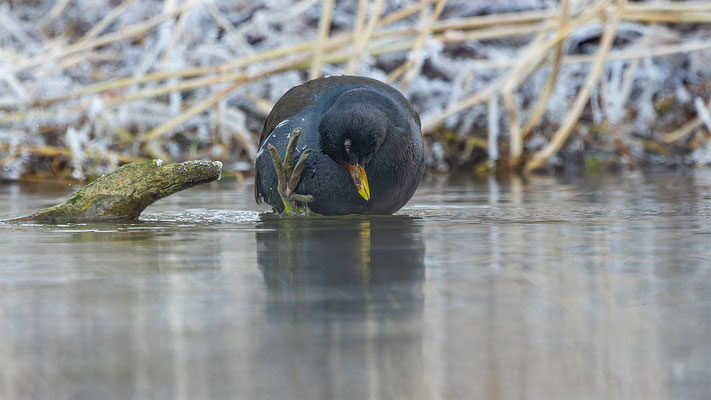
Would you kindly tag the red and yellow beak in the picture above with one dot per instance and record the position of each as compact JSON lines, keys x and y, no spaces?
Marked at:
{"x":360,"y":180}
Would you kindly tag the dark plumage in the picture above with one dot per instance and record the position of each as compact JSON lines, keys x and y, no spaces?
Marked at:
{"x":345,"y":121}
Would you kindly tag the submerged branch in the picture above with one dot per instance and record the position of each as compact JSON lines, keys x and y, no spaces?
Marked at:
{"x":127,"y":191}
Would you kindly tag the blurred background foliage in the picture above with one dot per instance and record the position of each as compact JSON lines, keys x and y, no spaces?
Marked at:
{"x":522,"y":85}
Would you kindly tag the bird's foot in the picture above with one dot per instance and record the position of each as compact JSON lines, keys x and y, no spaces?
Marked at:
{"x":289,"y":175}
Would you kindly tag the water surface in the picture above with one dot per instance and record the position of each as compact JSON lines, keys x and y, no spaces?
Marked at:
{"x":592,"y":288}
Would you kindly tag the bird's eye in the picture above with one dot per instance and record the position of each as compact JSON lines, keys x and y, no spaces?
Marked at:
{"x":347,"y":145}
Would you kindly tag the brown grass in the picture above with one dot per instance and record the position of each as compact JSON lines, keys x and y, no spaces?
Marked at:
{"x":373,"y":36}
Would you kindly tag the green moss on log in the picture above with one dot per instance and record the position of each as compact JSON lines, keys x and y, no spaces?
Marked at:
{"x":127,"y":191}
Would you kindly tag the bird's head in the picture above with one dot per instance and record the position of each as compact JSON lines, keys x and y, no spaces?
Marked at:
{"x":351,"y":134}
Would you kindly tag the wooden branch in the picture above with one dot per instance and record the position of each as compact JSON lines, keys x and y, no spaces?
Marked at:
{"x":127,"y":191}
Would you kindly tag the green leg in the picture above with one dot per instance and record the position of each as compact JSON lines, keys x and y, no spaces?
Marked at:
{"x":289,"y":175}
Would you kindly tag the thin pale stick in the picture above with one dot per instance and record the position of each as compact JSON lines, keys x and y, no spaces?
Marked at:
{"x":106,"y":21}
{"x":517,"y":72}
{"x":362,"y":43}
{"x":55,"y":13}
{"x":125,"y":33}
{"x":189,"y":113}
{"x":571,"y":120}
{"x":323,"y":29}
{"x":516,"y":148}
{"x":411,"y":72}
{"x":357,"y":35}
{"x":542,"y":101}
{"x":175,"y":37}
{"x":223,"y":23}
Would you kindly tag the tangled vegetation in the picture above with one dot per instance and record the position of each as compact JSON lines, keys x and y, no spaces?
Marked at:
{"x":88,"y":85}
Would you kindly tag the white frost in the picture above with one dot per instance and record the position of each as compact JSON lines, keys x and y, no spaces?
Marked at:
{"x":219,"y":166}
{"x":282,"y":123}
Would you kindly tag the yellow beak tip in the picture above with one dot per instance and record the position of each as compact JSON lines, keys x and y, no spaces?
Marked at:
{"x":360,"y":179}
{"x":364,"y":194}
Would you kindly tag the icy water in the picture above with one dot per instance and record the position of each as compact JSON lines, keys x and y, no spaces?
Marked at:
{"x":592,"y":288}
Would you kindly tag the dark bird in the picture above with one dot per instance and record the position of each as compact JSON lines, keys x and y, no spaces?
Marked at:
{"x":359,"y":148}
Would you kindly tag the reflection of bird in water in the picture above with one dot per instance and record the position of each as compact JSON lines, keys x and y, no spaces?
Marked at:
{"x":371,"y":262}
{"x":345,"y":308}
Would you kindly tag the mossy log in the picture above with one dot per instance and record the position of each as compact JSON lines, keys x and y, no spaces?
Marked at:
{"x":127,"y":191}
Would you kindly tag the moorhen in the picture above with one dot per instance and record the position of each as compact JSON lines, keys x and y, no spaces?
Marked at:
{"x":358,"y":144}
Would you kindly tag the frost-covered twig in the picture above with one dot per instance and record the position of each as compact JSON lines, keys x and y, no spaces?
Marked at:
{"x":324,"y":27}
{"x":156,"y":69}
{"x":564,"y":131}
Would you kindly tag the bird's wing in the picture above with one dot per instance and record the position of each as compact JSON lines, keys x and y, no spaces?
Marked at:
{"x":291,"y":103}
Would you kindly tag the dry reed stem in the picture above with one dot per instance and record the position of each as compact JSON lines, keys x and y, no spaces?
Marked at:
{"x":451,"y":37}
{"x":195,"y":83}
{"x":324,"y":26}
{"x":507,"y":93}
{"x":685,"y":129}
{"x":55,"y":13}
{"x":362,"y":42}
{"x":209,"y":102}
{"x":182,"y":86}
{"x":703,"y":112}
{"x":411,"y":62}
{"x":222,"y":22}
{"x":542,"y":101}
{"x":405,"y":12}
{"x":624,"y":55}
{"x":670,"y":17}
{"x":535,"y":57}
{"x":339,"y":40}
{"x":189,"y":113}
{"x":106,"y":21}
{"x":331,"y":43}
{"x":412,"y":65}
{"x":665,"y":6}
{"x":517,"y":73}
{"x":492,"y":133}
{"x":516,"y":145}
{"x":682,"y":132}
{"x":487,"y":21}
{"x":334,"y":42}
{"x":95,"y":56}
{"x":639,"y":14}
{"x":262,"y":56}
{"x":357,"y":35}
{"x":397,"y":72}
{"x":377,"y":49}
{"x":209,"y":80}
{"x":264,"y":106}
{"x":125,"y":33}
{"x":656,"y":51}
{"x":571,"y":119}
{"x":626,"y":87}
{"x":175,"y":36}
{"x":63,"y":151}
